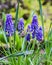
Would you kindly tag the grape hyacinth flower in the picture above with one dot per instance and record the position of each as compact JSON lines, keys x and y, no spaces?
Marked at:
{"x":39,"y":34}
{"x":29,"y":29}
{"x":33,"y":34}
{"x":20,"y":26}
{"x":34,"y":24}
{"x":34,"y":30}
{"x":28,"y":37}
{"x":9,"y":25}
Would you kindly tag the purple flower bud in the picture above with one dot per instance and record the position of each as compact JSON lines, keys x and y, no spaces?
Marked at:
{"x":28,"y":37}
{"x":33,"y":34}
{"x":34,"y":23}
{"x":29,"y":29}
{"x":20,"y":26}
{"x":39,"y":34}
{"x":9,"y":25}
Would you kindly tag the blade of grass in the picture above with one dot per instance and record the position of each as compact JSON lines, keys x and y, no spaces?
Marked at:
{"x":3,"y":31}
{"x":49,"y":30}
{"x":18,"y":54}
{"x":5,"y":62}
{"x":30,"y":61}
{"x":23,"y":44}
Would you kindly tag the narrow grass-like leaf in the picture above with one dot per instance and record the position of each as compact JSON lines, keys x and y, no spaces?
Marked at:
{"x":23,"y":44}
{"x":18,"y":54}
{"x":16,"y":20}
{"x":30,"y":61}
{"x":49,"y":30}
{"x":3,"y":17}
{"x":4,"y":62}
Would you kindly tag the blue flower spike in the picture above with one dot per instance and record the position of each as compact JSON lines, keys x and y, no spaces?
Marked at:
{"x":9,"y":25}
{"x":39,"y":34}
{"x":20,"y":25}
{"x":34,"y":23}
{"x":33,"y":34}
{"x":29,"y":28}
{"x":28,"y":37}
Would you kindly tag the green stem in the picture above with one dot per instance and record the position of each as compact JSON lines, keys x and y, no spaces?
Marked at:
{"x":16,"y":20}
{"x":42,"y":21}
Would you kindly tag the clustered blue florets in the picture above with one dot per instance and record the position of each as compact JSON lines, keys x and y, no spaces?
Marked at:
{"x":20,"y":25}
{"x":39,"y":34}
{"x":33,"y":30}
{"x":34,"y":24}
{"x":28,"y":37}
{"x":9,"y":25}
{"x":29,"y":28}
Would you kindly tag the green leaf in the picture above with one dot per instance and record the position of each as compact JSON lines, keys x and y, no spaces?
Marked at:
{"x":3,"y":17}
{"x":2,"y":37}
{"x":18,"y":41}
{"x":18,"y":54}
